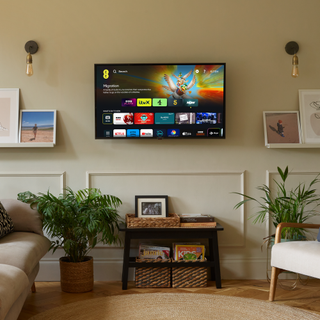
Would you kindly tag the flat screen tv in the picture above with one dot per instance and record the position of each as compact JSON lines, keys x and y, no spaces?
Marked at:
{"x":160,"y":101}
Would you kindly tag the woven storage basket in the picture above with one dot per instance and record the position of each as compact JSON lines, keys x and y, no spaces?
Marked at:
{"x":153,"y":277}
{"x":173,"y":221}
{"x":76,"y":276}
{"x":189,"y":277}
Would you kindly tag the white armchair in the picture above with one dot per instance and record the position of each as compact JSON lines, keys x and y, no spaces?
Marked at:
{"x":301,"y":257}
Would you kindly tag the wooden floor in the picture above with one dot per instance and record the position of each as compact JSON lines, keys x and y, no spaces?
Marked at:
{"x":49,"y":294}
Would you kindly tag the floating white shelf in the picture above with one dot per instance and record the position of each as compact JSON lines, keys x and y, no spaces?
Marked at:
{"x":26,"y":145}
{"x":292,"y":145}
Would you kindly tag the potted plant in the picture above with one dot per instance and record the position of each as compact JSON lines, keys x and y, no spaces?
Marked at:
{"x":294,"y":205}
{"x":77,"y":221}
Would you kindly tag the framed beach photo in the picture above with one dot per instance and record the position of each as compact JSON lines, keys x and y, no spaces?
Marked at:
{"x":9,"y":115}
{"x":309,"y":104}
{"x":37,"y":126}
{"x":281,"y":127}
{"x":151,"y":206}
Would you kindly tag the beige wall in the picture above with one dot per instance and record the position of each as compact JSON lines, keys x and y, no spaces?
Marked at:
{"x":248,"y":35}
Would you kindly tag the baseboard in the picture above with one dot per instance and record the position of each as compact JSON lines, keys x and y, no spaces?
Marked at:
{"x":111,"y":269}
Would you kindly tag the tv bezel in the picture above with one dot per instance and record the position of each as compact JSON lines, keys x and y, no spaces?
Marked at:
{"x":154,"y":137}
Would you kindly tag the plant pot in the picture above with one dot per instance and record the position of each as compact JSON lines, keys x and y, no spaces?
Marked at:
{"x":76,"y":277}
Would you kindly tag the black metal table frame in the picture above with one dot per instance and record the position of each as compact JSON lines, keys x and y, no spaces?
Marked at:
{"x":172,"y":233}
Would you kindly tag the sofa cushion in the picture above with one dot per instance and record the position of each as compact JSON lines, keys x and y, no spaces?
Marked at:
{"x":24,"y":218}
{"x":6,"y":224}
{"x":13,"y":282}
{"x":23,"y":250}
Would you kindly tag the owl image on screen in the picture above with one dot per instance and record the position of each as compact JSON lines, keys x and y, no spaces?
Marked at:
{"x":180,"y":88}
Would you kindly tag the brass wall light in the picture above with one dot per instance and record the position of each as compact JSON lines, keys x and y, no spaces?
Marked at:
{"x":31,"y":47}
{"x":292,"y":48}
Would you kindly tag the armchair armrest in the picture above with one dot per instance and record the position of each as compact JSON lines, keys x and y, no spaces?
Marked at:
{"x":24,"y":218}
{"x":293,"y":225}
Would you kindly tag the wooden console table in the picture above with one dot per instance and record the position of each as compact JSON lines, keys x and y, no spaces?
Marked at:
{"x":172,"y":233}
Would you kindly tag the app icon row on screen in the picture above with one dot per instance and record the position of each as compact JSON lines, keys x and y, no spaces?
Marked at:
{"x":159,"y":133}
{"x":158,"y":102}
{"x":128,"y":118}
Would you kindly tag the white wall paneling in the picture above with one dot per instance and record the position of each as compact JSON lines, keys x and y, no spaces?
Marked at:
{"x":12,"y":183}
{"x":293,"y":180}
{"x":189,"y":192}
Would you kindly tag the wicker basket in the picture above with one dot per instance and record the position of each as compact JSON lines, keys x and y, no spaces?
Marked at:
{"x":173,"y":221}
{"x":153,"y":277}
{"x":76,"y":277}
{"x":189,"y":277}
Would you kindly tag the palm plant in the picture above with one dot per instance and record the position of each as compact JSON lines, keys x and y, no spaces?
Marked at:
{"x":294,"y":205}
{"x":77,"y":220}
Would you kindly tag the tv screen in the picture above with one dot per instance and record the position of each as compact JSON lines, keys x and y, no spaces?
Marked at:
{"x":148,"y":101}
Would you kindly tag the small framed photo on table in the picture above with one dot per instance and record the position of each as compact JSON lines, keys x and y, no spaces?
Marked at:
{"x":309,"y":104}
{"x":151,"y":206}
{"x":37,"y":126}
{"x":281,"y":127}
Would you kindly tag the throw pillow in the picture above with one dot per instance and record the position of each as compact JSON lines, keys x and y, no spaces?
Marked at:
{"x":6,"y":224}
{"x":318,"y":237}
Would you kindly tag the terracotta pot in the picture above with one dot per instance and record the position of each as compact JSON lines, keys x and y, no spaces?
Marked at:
{"x":76,"y":277}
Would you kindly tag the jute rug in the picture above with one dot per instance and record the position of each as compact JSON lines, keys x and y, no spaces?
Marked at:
{"x":182,"y":306}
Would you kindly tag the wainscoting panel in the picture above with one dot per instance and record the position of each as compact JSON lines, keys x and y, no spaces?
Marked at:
{"x":189,"y":192}
{"x":15,"y":182}
{"x":293,"y":181}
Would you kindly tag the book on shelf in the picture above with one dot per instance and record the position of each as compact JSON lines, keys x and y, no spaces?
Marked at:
{"x":188,"y":251}
{"x":195,"y":217}
{"x":198,"y":224}
{"x":147,"y":251}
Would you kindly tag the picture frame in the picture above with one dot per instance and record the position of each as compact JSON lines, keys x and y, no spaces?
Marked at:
{"x":281,"y":127}
{"x":151,"y":206}
{"x":309,"y":105}
{"x":37,"y":126}
{"x":9,"y":115}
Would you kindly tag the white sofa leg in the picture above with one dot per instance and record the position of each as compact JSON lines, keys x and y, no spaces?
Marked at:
{"x":33,"y":288}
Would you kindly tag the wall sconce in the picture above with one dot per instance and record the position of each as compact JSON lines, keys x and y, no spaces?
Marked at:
{"x":292,"y":48}
{"x":31,"y":47}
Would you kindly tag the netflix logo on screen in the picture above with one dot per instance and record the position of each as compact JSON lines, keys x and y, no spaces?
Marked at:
{"x":119,"y":133}
{"x":143,"y":118}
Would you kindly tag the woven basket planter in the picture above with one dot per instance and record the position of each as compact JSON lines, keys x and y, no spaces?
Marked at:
{"x":189,"y":277}
{"x":76,"y":277}
{"x":153,"y":277}
{"x":173,"y":221}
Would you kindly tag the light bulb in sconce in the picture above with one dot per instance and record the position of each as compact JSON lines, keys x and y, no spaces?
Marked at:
{"x":29,"y":69}
{"x":295,"y":66}
{"x":292,"y":48}
{"x":31,"y":47}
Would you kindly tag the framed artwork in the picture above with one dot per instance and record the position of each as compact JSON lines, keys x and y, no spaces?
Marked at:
{"x":151,"y":206}
{"x":281,"y":127}
{"x":9,"y":115}
{"x":309,"y":103}
{"x":37,"y":126}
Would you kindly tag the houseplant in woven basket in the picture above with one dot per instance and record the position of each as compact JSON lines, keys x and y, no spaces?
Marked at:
{"x":77,"y":221}
{"x":286,"y":205}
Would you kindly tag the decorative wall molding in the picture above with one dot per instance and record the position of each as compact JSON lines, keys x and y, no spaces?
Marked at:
{"x":268,"y":184}
{"x":90,"y":175}
{"x":49,"y":174}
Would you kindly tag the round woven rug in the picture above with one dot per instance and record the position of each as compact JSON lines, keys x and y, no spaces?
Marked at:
{"x":182,"y":306}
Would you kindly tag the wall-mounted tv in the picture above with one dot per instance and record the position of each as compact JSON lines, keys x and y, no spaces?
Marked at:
{"x":146,"y":101}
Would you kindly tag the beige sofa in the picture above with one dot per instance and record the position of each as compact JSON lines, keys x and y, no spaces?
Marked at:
{"x":20,"y":253}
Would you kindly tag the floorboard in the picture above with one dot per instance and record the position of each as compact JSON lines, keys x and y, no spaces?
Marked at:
{"x":49,"y":294}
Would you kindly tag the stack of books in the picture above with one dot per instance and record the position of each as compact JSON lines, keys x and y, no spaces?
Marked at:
{"x":196,"y":220}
